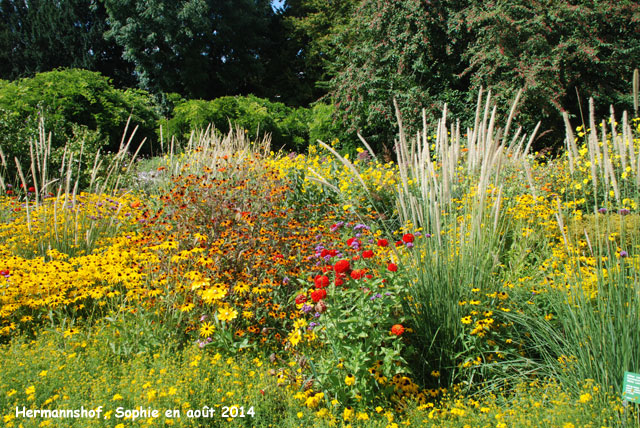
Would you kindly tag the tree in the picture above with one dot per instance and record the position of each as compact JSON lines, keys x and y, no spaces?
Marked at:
{"x":550,"y":49}
{"x":40,"y":35}
{"x":199,"y":48}
{"x":314,"y":24}
{"x":398,"y":49}
{"x":426,"y":53}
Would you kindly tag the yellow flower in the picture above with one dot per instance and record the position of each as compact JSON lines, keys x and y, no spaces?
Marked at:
{"x":227,"y":314}
{"x":206,"y":329}
{"x":347,"y":415}
{"x":350,"y":379}
{"x":585,"y":398}
{"x":30,"y":390}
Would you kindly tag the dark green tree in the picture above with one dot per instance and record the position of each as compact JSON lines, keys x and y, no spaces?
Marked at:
{"x":199,"y":48}
{"x":40,"y":35}
{"x":425,"y":53}
{"x":550,"y":49}
{"x":315,"y":25}
{"x":398,"y":49}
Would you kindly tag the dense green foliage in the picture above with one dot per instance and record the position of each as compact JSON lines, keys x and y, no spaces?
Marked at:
{"x":37,"y":36}
{"x":76,"y":106}
{"x":355,"y":55}
{"x":287,"y":127}
{"x":426,"y":53}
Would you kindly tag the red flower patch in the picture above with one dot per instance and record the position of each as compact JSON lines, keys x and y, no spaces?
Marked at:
{"x":342,"y":266}
{"x":318,"y":295}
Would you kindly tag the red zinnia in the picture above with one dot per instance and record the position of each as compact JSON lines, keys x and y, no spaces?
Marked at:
{"x":300,"y":299}
{"x":31,"y":189}
{"x":318,"y":295}
{"x":342,"y":266}
{"x":367,"y":254}
{"x":383,"y":243}
{"x":357,"y":274}
{"x":392,"y":267}
{"x":398,"y":243}
{"x":407,"y":237}
{"x":321,"y":281}
{"x":397,"y":329}
{"x":339,"y":281}
{"x":324,"y":253}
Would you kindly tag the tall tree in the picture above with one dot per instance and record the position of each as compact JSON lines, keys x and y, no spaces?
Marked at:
{"x":40,"y":35}
{"x":428,"y":52}
{"x":397,"y":49}
{"x":315,"y":25}
{"x":199,"y":48}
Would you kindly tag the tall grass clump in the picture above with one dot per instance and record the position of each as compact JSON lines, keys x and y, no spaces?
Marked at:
{"x":456,"y":191}
{"x":53,"y":206}
{"x":595,"y":297}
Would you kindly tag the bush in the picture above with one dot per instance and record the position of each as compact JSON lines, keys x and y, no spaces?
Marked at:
{"x":287,"y":126}
{"x":72,"y":103}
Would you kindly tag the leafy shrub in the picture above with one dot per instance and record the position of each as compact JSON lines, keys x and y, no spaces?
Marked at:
{"x":72,"y":103}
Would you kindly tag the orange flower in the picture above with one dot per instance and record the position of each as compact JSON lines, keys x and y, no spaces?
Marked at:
{"x":397,"y":329}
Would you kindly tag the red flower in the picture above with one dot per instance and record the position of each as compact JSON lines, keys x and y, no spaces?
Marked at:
{"x":339,"y":281}
{"x":392,"y":267}
{"x":9,"y":192}
{"x":321,"y":281}
{"x":367,"y":254}
{"x":398,"y":243}
{"x":407,"y":237}
{"x":326,"y":269}
{"x":31,"y":189}
{"x":383,"y":243}
{"x":350,"y":241}
{"x":318,"y":295}
{"x":342,"y":266}
{"x":357,"y":274}
{"x":397,"y":329}
{"x":300,"y":299}
{"x":324,"y":252}
{"x":333,"y":253}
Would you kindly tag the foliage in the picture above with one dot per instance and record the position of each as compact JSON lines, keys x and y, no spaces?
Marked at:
{"x":315,"y":23}
{"x":392,"y":49}
{"x":39,"y":36}
{"x":220,"y":45}
{"x":287,"y":127}
{"x":428,"y":53}
{"x":550,"y":50}
{"x":77,"y":106}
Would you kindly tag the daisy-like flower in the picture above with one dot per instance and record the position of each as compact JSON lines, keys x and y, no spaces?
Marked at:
{"x":206,"y":329}
{"x":227,"y":314}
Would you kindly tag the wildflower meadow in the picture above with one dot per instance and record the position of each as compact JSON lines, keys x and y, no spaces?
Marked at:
{"x":471,"y":282}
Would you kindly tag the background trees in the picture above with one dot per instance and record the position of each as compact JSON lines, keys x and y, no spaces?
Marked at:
{"x":355,"y":54}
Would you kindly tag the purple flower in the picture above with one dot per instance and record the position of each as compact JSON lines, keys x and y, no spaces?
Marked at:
{"x":203,"y":317}
{"x":428,"y":235}
{"x":409,"y":244}
{"x":285,"y":280}
{"x":623,"y":254}
{"x":311,"y":325}
{"x":307,"y":308}
{"x":387,"y":294}
{"x":376,"y":296}
{"x":623,"y":211}
{"x":602,"y":210}
{"x":201,"y":344}
{"x":317,"y":315}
